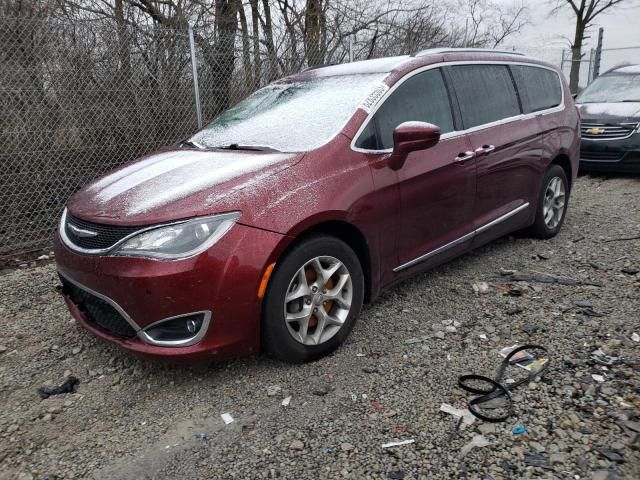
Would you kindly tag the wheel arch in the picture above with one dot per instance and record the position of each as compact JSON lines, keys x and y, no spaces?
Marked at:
{"x":564,"y":162}
{"x":343,"y":230}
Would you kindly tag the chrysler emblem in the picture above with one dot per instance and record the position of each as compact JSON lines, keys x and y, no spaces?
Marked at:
{"x":79,"y":232}
{"x":595,"y":131}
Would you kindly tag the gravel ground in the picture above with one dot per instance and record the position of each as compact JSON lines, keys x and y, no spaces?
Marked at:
{"x":134,"y":419}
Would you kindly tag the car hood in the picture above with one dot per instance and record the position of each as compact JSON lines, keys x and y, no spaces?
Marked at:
{"x":175,"y":184}
{"x":620,"y":112}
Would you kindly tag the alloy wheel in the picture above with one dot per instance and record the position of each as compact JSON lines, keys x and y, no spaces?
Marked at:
{"x":554,"y":203}
{"x":318,"y":300}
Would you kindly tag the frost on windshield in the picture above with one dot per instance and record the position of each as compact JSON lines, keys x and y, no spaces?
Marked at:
{"x":291,"y":117}
{"x":611,"y":89}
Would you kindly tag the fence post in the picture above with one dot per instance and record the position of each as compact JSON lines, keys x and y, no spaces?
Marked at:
{"x":592,"y":55}
{"x":350,"y":49}
{"x":194,"y":67}
{"x":562,"y":62}
{"x":596,"y":64}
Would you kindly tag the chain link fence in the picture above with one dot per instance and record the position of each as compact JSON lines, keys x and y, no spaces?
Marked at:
{"x":80,"y":98}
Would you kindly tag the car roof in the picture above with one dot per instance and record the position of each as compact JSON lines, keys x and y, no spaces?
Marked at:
{"x":625,"y":69}
{"x":405,"y":63}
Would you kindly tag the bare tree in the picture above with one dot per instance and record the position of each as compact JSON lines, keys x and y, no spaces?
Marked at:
{"x":585,"y":12}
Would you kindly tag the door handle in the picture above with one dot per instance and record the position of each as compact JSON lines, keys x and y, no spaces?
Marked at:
{"x":485,"y":149}
{"x":463,"y":157}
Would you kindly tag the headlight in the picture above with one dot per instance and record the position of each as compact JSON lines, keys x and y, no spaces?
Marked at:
{"x":179,"y":240}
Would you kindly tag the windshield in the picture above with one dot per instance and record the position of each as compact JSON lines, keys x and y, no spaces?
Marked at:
{"x":290,"y":117}
{"x":623,"y":87}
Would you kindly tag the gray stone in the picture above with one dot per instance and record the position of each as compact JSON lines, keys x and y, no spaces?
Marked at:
{"x":297,"y":445}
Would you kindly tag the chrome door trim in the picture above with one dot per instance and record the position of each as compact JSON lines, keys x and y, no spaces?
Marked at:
{"x":438,"y":250}
{"x":502,"y":218}
{"x":463,"y":238}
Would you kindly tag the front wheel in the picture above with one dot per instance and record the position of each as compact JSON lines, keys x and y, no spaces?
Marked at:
{"x":552,"y":203}
{"x":314,"y":297}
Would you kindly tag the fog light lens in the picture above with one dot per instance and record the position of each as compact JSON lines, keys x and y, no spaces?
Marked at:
{"x":181,"y":329}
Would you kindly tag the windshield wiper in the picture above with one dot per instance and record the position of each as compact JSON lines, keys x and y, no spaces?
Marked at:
{"x":634,"y":101}
{"x":256,"y":148}
{"x":189,"y":143}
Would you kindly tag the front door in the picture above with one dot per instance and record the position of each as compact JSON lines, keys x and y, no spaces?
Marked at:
{"x":437,"y":185}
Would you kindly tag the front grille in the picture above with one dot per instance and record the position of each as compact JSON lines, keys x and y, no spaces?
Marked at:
{"x":106,"y":235}
{"x":601,"y":156}
{"x":605,"y":131}
{"x":98,"y":311}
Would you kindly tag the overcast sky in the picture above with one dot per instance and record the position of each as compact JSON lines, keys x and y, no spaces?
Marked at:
{"x":621,"y":26}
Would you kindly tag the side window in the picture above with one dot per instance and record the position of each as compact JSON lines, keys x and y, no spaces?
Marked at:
{"x":539,"y":88}
{"x":486,"y":93}
{"x":422,"y":97}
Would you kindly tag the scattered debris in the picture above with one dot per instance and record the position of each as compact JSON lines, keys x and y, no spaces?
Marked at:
{"x":487,"y":390}
{"x":630,"y":270}
{"x":622,"y":239}
{"x":506,"y":271}
{"x":286,"y":402}
{"x":529,"y":329}
{"x":597,"y":378}
{"x":547,"y":278}
{"x":483,"y":336}
{"x":464,"y":414}
{"x":203,"y":438}
{"x":397,"y":475}
{"x":635,"y":337}
{"x":227,"y":418}
{"x":370,"y":370}
{"x":69,"y":386}
{"x":480,"y":288}
{"x":610,"y":454}
{"x":519,"y":430}
{"x":411,"y":341}
{"x":537,"y":460}
{"x":273,"y":390}
{"x":598,"y":356}
{"x":328,"y":450}
{"x":397,"y":443}
{"x":476,"y":441}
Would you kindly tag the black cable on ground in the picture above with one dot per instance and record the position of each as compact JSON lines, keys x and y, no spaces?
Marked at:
{"x":495,"y":387}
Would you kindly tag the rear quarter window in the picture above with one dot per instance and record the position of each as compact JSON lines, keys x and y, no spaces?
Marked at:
{"x":486,"y":93}
{"x":539,"y":88}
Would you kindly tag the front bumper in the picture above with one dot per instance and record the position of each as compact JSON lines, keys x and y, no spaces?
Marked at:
{"x":622,"y":156}
{"x":223,"y":281}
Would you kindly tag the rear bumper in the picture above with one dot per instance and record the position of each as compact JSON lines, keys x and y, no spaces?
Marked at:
{"x":223,"y":281}
{"x":622,"y":156}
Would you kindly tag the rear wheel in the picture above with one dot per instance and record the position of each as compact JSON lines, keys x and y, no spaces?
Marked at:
{"x":552,"y":203}
{"x":314,"y":297}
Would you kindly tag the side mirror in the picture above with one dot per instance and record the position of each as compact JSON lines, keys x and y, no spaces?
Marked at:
{"x":409,"y":137}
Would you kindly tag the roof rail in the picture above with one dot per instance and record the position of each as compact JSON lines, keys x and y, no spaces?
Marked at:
{"x":439,"y":51}
{"x":314,"y":67}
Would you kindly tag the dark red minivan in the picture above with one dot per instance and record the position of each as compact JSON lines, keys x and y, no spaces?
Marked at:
{"x":270,"y":227}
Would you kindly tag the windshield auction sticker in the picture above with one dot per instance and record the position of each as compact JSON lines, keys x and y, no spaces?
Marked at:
{"x":376,"y":94}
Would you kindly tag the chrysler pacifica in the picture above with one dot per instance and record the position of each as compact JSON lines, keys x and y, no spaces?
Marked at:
{"x":269,"y":228}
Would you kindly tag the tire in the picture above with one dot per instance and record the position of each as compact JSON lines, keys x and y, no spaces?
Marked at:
{"x":548,"y":225}
{"x":289,"y":340}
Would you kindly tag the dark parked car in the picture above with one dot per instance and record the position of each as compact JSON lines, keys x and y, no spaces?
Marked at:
{"x":270,"y":227}
{"x":610,"y":111}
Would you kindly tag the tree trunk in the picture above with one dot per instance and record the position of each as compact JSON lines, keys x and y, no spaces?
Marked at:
{"x":312,"y":32}
{"x":246,"y":48}
{"x":223,"y":56}
{"x":257,"y":59}
{"x":271,"y":49}
{"x":576,"y":57}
